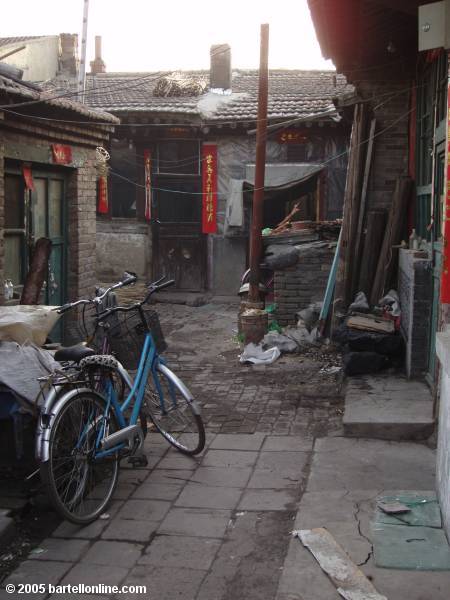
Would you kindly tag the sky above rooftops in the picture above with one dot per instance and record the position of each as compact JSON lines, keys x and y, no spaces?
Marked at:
{"x":145,"y":35}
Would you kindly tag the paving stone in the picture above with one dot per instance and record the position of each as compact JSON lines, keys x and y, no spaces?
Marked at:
{"x":178,"y":461}
{"x":222,"y":476}
{"x":179,"y":476}
{"x":197,"y":522}
{"x":229,"y":458}
{"x":270,"y":479}
{"x":268,"y":500}
{"x":157,"y":491}
{"x":181,"y":551}
{"x":237,"y":442}
{"x":132,"y":530}
{"x":113,"y":553}
{"x":61,"y":550}
{"x":202,"y":496}
{"x":282,"y":443}
{"x":290,"y":464}
{"x":144,"y":510}
{"x":164,"y":583}
{"x":348,"y":463}
{"x":90,"y":574}
{"x":89,"y":532}
{"x":33,"y":571}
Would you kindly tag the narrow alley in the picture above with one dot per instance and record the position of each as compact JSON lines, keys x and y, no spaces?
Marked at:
{"x":219,"y":526}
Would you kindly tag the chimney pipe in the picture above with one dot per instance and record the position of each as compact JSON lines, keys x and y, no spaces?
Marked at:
{"x":220,"y":69}
{"x":97,"y":65}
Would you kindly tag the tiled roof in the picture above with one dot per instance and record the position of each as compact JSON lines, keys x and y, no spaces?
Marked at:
{"x":9,"y":41}
{"x":24,"y":93}
{"x":292,"y":94}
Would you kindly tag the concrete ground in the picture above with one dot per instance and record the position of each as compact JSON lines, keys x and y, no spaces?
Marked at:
{"x":218,"y":526}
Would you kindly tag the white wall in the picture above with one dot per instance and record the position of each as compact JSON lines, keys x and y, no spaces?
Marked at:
{"x":39,"y":59}
{"x":443,"y":451}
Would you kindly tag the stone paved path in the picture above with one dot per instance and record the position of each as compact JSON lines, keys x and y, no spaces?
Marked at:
{"x":217,"y":526}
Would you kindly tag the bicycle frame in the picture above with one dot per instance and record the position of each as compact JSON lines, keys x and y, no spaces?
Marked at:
{"x":148,"y":364}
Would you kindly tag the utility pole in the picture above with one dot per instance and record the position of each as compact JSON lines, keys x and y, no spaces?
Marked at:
{"x":258,"y":193}
{"x":82,"y":71}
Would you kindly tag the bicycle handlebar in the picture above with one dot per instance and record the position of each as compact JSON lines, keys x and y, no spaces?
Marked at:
{"x":128,"y":279}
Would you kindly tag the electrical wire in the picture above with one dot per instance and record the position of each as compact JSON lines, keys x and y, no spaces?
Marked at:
{"x":101,"y":89}
{"x":323,"y":164}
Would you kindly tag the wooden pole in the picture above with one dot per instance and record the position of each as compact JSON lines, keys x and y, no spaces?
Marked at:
{"x":37,"y":272}
{"x":258,"y":194}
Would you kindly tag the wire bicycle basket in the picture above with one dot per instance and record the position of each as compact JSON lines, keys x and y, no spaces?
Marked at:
{"x":126,"y":335}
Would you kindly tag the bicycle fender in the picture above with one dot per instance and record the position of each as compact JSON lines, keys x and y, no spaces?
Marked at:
{"x":46,"y":420}
{"x":181,"y":387}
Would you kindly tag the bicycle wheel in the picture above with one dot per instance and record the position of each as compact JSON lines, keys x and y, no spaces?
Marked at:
{"x":176,"y":418}
{"x":79,"y":484}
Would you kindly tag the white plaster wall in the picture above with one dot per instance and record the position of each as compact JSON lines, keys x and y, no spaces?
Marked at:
{"x":39,"y":60}
{"x":122,"y":245}
{"x":443,"y":450}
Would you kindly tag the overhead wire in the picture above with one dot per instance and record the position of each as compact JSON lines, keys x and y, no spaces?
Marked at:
{"x":324,"y":163}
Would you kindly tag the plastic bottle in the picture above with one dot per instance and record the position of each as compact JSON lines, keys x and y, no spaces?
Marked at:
{"x":6,"y":289}
{"x":413,"y":240}
{"x":11,"y":289}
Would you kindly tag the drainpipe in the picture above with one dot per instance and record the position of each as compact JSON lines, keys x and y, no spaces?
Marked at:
{"x":445,"y":275}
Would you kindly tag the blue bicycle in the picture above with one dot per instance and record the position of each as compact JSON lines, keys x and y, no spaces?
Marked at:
{"x":102,"y":414}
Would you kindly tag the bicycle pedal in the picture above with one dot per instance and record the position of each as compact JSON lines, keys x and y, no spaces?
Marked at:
{"x":139,"y":460}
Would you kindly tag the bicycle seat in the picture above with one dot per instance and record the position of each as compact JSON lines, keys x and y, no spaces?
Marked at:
{"x":73,"y":353}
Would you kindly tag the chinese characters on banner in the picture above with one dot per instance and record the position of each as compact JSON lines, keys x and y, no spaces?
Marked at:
{"x":103,"y":207}
{"x":445,"y":277}
{"x":209,"y":188}
{"x":148,"y":189}
{"x":292,"y":136}
{"x":62,"y":155}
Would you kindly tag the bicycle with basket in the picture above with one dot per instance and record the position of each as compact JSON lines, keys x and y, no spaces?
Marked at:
{"x":97,"y":413}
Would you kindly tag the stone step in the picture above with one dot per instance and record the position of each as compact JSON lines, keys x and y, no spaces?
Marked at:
{"x":388,"y":407}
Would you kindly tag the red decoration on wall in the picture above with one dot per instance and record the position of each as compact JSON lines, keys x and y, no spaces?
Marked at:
{"x":445,"y":277}
{"x":148,"y":187}
{"x":103,"y":207}
{"x":28,"y":177}
{"x":62,"y":155}
{"x":209,"y":188}
{"x":292,"y":136}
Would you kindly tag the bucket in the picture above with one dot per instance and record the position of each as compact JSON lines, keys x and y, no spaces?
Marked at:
{"x":254,"y":324}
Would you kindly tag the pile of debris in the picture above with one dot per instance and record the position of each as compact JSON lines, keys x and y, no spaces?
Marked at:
{"x":179,"y":84}
{"x":371,"y":339}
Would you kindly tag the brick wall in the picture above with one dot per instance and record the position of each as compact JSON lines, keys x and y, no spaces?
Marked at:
{"x":415,"y":292}
{"x":81,"y":194}
{"x":296,"y":287}
{"x":390,"y":102}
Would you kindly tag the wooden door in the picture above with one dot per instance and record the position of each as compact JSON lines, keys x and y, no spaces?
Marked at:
{"x":179,"y":247}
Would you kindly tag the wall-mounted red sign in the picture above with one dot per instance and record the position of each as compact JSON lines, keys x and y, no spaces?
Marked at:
{"x":62,"y":155}
{"x":292,"y":136}
{"x":148,"y":181}
{"x":209,"y":188}
{"x":445,"y":277}
{"x":28,"y":177}
{"x":103,"y":206}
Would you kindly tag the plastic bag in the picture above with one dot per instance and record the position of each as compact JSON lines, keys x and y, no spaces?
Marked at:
{"x":27,"y":323}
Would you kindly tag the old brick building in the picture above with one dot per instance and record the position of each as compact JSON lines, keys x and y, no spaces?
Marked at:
{"x":396,"y":53}
{"x":48,"y":187}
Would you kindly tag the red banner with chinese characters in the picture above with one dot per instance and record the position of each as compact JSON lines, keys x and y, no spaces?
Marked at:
{"x":28,"y":177}
{"x":209,"y":205}
{"x":292,"y":136}
{"x":148,"y":186}
{"x":445,"y":277}
{"x":103,"y":207}
{"x":62,"y":155}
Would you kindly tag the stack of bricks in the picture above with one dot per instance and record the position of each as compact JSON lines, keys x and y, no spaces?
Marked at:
{"x":298,"y":286}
